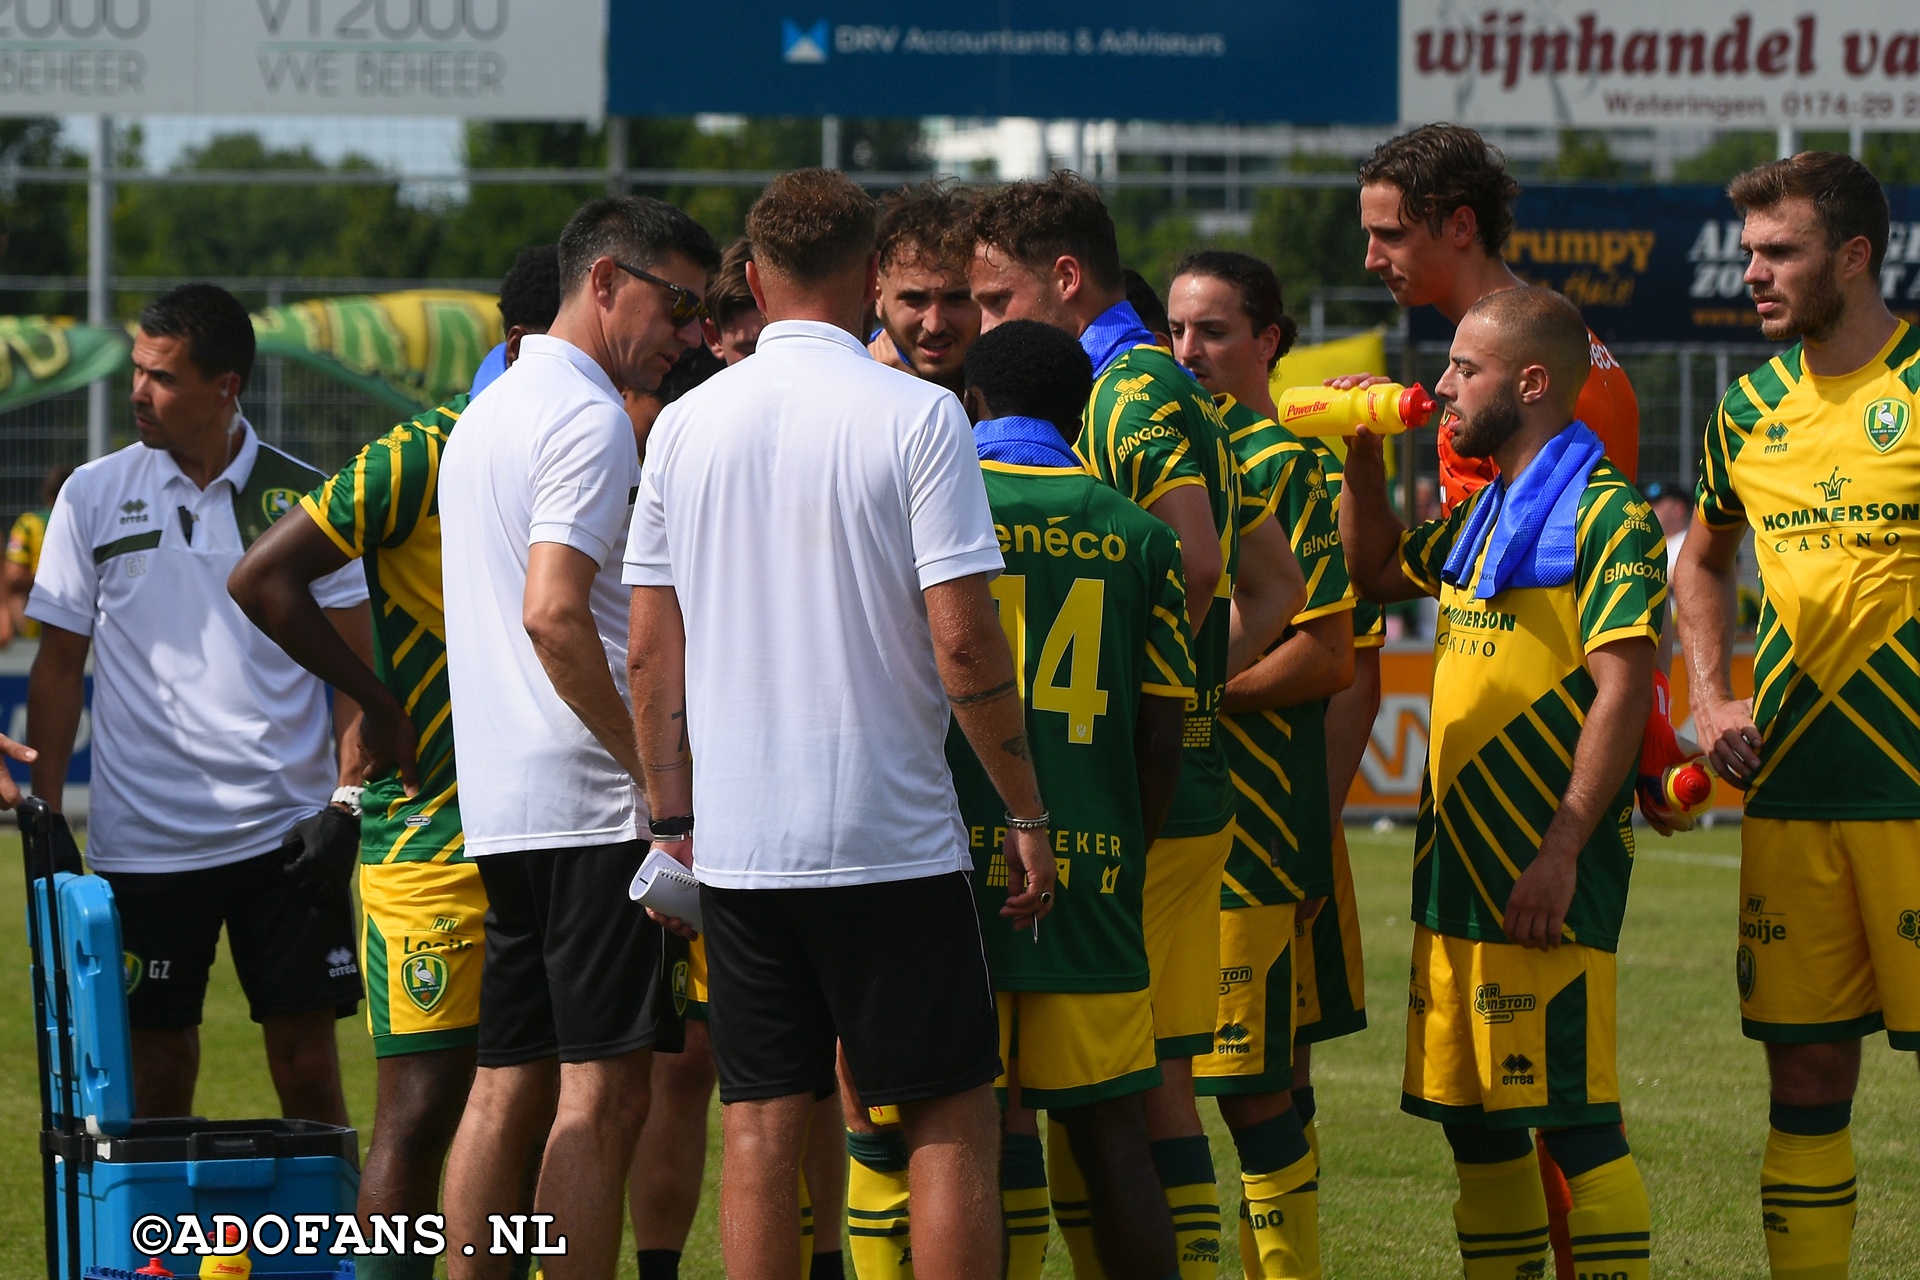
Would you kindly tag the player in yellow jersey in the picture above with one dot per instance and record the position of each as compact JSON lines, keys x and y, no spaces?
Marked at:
{"x":1047,"y":251}
{"x":23,"y":559}
{"x":1230,"y":327}
{"x":1818,"y":454}
{"x":423,"y":937}
{"x":1551,"y":583}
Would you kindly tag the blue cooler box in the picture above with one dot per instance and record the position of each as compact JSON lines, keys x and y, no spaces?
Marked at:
{"x":126,"y":1169}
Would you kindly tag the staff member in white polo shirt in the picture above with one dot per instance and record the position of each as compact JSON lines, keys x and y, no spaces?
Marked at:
{"x":536,"y":489}
{"x":812,"y":549}
{"x":209,"y":743}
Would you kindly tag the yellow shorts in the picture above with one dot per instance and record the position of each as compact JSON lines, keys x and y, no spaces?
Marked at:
{"x":1829,"y":930}
{"x":1508,"y":1037}
{"x":696,"y":987}
{"x":1253,"y":1045}
{"x":1070,"y":1048}
{"x":1181,"y":915}
{"x":422,"y":945}
{"x":1329,"y":975}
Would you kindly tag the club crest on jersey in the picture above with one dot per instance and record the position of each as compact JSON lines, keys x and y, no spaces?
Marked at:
{"x":425,"y":980}
{"x":133,"y":968}
{"x":1886,"y":422}
{"x":1745,"y":971}
{"x":275,"y":503}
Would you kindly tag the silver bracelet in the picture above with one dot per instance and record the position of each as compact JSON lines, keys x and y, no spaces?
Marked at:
{"x":1040,"y":823}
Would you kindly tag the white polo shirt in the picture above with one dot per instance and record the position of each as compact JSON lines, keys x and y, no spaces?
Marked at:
{"x":799,"y":503}
{"x":547,"y":455}
{"x":209,"y":742}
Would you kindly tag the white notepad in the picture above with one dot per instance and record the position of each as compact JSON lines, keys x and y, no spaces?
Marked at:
{"x":663,"y":885}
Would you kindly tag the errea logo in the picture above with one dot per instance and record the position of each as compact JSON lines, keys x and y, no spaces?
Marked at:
{"x":134,"y":511}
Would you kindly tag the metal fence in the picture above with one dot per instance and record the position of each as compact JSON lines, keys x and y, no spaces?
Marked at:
{"x":324,"y":422}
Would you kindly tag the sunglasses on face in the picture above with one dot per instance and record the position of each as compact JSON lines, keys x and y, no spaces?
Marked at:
{"x":688,"y":306}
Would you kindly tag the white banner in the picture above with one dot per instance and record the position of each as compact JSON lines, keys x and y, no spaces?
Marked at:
{"x":1641,"y":63}
{"x":516,"y":59}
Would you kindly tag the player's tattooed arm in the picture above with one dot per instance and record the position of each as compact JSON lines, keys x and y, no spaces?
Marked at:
{"x":976,"y":668}
{"x":985,"y":695}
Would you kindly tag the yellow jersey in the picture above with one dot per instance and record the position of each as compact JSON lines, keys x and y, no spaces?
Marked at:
{"x":1511,"y":691}
{"x":1826,"y":471}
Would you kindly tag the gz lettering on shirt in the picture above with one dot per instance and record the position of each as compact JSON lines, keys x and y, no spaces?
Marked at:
{"x":209,"y":742}
{"x":547,"y":455}
{"x":799,"y":503}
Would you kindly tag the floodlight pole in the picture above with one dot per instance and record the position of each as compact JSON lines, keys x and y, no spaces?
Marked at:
{"x":99,"y":272}
{"x":616,"y":155}
{"x":1789,"y":142}
{"x":829,"y":142}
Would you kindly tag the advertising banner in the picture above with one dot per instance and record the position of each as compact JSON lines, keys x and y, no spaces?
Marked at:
{"x":1644,"y":63}
{"x":1205,"y":60}
{"x":519,"y":59}
{"x":1649,"y":263}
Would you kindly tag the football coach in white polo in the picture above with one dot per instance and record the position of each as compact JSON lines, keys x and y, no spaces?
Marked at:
{"x":812,"y":549}
{"x":536,"y":490}
{"x":209,"y":743}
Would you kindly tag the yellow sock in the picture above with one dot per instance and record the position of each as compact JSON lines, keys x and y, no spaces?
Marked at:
{"x":1023,"y":1204}
{"x":1807,"y":1192}
{"x":1610,"y":1223}
{"x":806,"y":1226}
{"x":1185,"y":1166}
{"x":1501,"y":1218}
{"x":877,"y":1206}
{"x":1072,"y":1206}
{"x":1280,"y":1209}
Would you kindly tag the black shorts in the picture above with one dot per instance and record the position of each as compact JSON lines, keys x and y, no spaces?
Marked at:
{"x":574,"y":967}
{"x":895,"y":971}
{"x":293,"y":954}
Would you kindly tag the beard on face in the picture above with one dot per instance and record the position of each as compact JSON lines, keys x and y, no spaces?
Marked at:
{"x":1494,"y":425}
{"x":1813,"y":315}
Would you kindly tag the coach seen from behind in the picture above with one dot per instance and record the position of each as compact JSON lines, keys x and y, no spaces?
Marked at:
{"x":812,"y":549}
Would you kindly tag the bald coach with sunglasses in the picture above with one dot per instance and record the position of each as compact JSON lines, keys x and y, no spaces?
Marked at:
{"x":536,"y":491}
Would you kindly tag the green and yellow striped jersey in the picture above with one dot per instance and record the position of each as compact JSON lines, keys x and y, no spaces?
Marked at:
{"x":1826,"y":471}
{"x":1094,"y":607}
{"x":1369,"y":623}
{"x":1282,"y":832}
{"x":383,"y":509}
{"x":1149,"y":429}
{"x":24,"y":540}
{"x":1511,"y":690}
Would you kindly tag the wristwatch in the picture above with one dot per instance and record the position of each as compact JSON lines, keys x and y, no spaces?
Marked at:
{"x":347,"y":798}
{"x":672,"y":830}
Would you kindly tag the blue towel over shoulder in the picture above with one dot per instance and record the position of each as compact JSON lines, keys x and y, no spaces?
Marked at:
{"x":1530,"y":527}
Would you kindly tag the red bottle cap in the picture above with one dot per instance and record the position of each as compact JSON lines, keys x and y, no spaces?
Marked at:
{"x":1416,"y":406}
{"x":153,"y":1268}
{"x":1691,"y":786}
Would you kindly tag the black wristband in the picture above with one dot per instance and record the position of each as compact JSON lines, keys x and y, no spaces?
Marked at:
{"x":665,"y":828}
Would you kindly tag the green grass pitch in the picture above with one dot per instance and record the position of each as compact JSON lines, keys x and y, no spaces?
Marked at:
{"x":1695,"y":1094}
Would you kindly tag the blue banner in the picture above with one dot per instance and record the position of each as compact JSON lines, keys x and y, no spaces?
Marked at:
{"x":1649,"y":263}
{"x":1205,"y":60}
{"x":13,"y":717}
